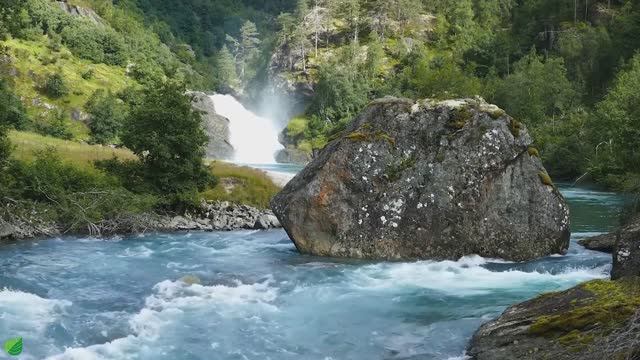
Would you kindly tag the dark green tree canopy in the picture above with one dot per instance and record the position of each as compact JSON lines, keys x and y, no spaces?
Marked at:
{"x":167,"y":134}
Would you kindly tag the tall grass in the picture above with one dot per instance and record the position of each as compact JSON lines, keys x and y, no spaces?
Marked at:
{"x":26,"y":144}
{"x":242,"y":185}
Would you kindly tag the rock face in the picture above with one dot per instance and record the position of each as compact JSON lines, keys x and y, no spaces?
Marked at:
{"x":435,"y":180}
{"x":593,"y":321}
{"x":626,"y":255}
{"x":74,"y":10}
{"x":217,"y":128}
{"x":293,"y":156}
{"x":603,"y":243}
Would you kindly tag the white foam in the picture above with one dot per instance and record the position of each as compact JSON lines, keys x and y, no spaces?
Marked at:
{"x":26,"y":314}
{"x":461,"y":278}
{"x":254,"y":138}
{"x":141,"y":252}
{"x":164,"y":309}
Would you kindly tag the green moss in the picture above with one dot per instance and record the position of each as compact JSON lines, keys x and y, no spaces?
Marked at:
{"x":460,"y":118}
{"x":576,"y":337}
{"x":241,"y":185}
{"x":533,"y":151}
{"x":496,"y":114}
{"x":515,"y":126}
{"x":394,"y":172}
{"x":365,"y":135}
{"x":358,"y":136}
{"x":607,"y":307}
{"x":545,"y":178}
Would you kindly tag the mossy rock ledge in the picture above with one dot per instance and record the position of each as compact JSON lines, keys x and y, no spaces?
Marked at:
{"x":593,"y":321}
{"x":426,"y":180}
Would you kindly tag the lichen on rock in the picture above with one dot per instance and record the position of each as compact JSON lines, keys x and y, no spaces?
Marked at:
{"x":586,"y":322}
{"x":465,"y":182}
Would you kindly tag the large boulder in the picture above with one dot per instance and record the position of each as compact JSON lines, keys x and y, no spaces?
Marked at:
{"x":436,"y":180}
{"x":216,"y":126}
{"x":626,"y":255}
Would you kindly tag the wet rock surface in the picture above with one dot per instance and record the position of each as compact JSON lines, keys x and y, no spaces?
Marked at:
{"x":593,"y":321}
{"x":626,"y":255}
{"x":603,"y":243}
{"x":428,"y":180}
{"x":216,"y":126}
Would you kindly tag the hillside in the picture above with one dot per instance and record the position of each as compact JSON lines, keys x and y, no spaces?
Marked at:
{"x":562,"y":68}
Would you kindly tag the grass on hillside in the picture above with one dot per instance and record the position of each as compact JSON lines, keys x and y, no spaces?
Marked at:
{"x":237,"y":184}
{"x":240,"y":184}
{"x":33,"y":61}
{"x":27,"y":144}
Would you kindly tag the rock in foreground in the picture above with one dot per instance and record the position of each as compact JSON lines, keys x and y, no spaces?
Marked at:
{"x":593,"y":321}
{"x":435,"y":180}
{"x":626,"y":256}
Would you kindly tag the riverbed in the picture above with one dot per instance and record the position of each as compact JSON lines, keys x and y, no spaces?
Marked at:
{"x":251,"y":296}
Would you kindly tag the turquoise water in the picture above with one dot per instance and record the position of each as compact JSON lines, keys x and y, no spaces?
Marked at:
{"x":122,"y":298}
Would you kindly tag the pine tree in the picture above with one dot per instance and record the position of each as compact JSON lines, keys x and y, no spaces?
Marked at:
{"x":249,"y":42}
{"x":246,"y":47}
{"x":227,"y":75}
{"x":351,"y":12}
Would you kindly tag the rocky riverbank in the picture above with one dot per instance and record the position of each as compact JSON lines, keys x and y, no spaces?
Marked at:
{"x":211,"y":216}
{"x":593,"y":321}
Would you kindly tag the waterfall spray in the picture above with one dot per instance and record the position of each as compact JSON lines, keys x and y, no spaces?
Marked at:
{"x":254,"y":138}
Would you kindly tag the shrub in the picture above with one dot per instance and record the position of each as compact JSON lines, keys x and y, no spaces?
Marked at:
{"x":88,"y":75}
{"x":55,"y":86}
{"x":12,"y":112}
{"x":54,"y":124}
{"x":107,"y":115}
{"x":96,"y":43}
{"x":80,"y":197}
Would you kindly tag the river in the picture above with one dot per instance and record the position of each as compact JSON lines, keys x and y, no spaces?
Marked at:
{"x":122,"y":298}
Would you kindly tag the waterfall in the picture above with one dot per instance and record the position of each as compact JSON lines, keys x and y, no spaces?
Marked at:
{"x":254,"y":138}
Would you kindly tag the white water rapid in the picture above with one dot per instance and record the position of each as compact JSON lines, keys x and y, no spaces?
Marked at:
{"x":254,"y":138}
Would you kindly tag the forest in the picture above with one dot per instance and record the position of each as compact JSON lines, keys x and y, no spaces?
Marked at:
{"x":568,"y":69}
{"x":565,"y":68}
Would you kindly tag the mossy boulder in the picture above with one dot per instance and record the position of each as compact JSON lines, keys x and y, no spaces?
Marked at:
{"x":590,"y":321}
{"x":426,"y":180}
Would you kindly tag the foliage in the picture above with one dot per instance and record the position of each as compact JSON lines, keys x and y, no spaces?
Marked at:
{"x":166,"y":134}
{"x":107,"y":115}
{"x":12,"y":112}
{"x":242,"y":185}
{"x":227,"y":74}
{"x":78,"y":197}
{"x":616,"y":125}
{"x":342,"y":90}
{"x":55,"y":86}
{"x":54,"y":124}
{"x":99,"y":44}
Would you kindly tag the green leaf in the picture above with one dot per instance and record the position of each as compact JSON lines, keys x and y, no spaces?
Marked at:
{"x":13,"y":346}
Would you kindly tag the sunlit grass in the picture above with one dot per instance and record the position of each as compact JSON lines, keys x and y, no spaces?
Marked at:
{"x":241,"y":184}
{"x":27,"y":58}
{"x":26,"y":144}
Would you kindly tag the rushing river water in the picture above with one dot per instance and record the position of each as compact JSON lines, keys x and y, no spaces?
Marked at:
{"x":122,"y":298}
